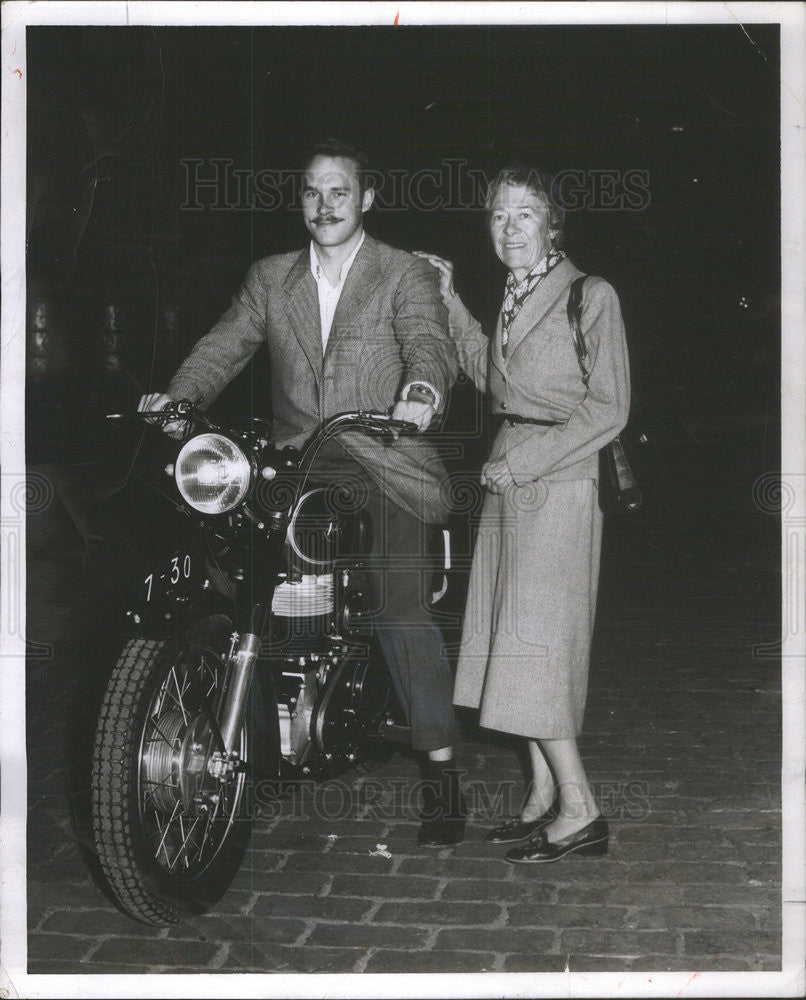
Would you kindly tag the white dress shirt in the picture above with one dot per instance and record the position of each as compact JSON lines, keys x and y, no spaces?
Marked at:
{"x":330,"y":294}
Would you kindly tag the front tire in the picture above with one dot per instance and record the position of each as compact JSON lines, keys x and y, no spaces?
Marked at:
{"x":170,"y":838}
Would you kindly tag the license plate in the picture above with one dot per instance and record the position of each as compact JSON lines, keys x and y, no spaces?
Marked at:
{"x":173,"y":577}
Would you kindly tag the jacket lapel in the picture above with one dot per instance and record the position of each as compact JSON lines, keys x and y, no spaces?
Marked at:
{"x":496,"y":354}
{"x":364,"y":277}
{"x":539,"y":303}
{"x":302,"y":310}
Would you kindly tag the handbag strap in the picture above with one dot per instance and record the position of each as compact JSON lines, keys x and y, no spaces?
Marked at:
{"x":574,"y":311}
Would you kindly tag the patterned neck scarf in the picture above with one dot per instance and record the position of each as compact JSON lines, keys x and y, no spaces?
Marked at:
{"x":517,"y":292}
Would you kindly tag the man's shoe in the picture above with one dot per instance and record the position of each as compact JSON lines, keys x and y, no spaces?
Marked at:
{"x":444,"y":809}
{"x":441,"y":832}
{"x":590,"y":841}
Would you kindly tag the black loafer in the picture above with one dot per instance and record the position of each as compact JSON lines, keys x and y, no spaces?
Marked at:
{"x":590,"y":841}
{"x":516,"y":829}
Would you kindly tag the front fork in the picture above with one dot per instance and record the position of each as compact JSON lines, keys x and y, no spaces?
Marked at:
{"x":241,"y":672}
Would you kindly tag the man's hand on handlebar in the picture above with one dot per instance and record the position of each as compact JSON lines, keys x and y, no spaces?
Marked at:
{"x":414,"y":412}
{"x":158,"y":401}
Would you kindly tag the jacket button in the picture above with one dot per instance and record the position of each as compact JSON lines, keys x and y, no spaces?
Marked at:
{"x":503,"y":406}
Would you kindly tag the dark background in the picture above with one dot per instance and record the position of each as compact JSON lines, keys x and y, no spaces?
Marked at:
{"x":122,"y":280}
{"x":125,"y":279}
{"x":113,"y":111}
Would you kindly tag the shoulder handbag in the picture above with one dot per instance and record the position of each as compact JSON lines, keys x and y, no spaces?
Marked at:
{"x":619,"y":490}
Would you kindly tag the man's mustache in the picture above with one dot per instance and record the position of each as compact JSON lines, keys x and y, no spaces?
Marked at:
{"x":320,"y":219}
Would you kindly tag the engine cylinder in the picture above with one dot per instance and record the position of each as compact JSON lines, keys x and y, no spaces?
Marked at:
{"x":302,"y":613}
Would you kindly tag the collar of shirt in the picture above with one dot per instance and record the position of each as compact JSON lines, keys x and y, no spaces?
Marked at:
{"x":329,"y":294}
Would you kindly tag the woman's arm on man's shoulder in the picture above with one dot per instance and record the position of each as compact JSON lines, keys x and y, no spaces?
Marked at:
{"x":465,"y":331}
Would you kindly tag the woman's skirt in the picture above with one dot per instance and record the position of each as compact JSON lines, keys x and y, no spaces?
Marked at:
{"x":530,"y":611}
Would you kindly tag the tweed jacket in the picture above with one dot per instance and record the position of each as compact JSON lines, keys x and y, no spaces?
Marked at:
{"x":540,"y":377}
{"x":390,"y":328}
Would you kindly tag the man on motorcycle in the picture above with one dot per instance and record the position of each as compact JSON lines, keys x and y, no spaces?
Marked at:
{"x":352,"y":323}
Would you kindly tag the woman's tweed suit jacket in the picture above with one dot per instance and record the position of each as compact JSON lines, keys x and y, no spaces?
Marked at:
{"x":532,"y":596}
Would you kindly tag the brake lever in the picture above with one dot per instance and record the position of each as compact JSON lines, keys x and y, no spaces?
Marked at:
{"x":182,"y":409}
{"x":154,"y":416}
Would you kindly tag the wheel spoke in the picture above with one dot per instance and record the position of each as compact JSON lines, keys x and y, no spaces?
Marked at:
{"x":197,"y":680}
{"x":223,"y":804}
{"x":160,"y":784}
{"x":149,"y":793}
{"x":172,"y":743}
{"x":186,"y":682}
{"x":177,"y":698}
{"x":205,"y":836}
{"x":183,"y":841}
{"x":205,"y":697}
{"x":183,"y":846}
{"x":161,"y":845}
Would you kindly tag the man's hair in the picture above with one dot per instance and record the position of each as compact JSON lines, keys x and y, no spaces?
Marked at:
{"x":537,"y":180}
{"x":338,"y":148}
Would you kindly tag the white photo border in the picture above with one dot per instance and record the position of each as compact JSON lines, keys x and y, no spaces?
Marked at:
{"x":14,"y":980}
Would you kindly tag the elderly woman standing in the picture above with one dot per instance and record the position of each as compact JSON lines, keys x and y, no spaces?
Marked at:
{"x":532,"y":597}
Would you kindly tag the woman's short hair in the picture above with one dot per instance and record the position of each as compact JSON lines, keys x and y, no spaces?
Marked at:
{"x":537,"y":180}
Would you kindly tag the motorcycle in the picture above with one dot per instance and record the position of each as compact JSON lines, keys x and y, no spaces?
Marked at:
{"x":251,"y":659}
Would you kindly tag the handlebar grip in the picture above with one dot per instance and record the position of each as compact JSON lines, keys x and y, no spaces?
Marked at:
{"x":387,"y":420}
{"x":404,"y":425}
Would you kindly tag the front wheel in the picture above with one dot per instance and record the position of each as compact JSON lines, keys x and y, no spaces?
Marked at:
{"x":170,"y":837}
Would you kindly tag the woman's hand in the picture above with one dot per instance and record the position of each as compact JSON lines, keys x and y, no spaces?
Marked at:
{"x":445,"y":268}
{"x":496,"y":476}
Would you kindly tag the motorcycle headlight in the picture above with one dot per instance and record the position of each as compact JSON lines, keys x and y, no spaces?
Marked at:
{"x":212,"y":473}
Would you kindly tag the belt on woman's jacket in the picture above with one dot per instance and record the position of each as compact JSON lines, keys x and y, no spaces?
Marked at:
{"x":513,"y":418}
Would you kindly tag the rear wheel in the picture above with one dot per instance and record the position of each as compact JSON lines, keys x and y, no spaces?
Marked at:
{"x":170,"y":837}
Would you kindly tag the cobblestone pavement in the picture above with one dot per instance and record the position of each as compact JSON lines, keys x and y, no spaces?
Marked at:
{"x":682,"y":742}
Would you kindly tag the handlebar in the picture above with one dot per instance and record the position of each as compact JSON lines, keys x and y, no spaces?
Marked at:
{"x":184,"y":409}
{"x":381,"y":423}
